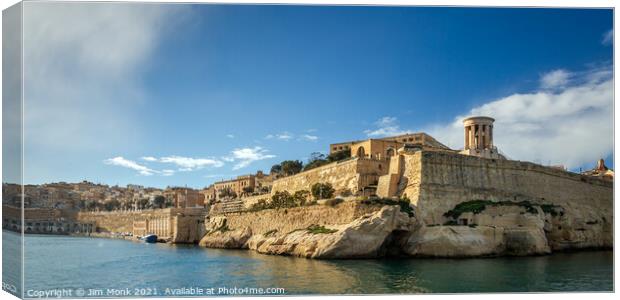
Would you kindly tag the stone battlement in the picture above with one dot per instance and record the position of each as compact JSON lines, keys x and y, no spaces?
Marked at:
{"x":353,"y":175}
{"x":437,"y":181}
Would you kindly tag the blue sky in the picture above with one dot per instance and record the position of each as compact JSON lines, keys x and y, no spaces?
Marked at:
{"x":188,"y":94}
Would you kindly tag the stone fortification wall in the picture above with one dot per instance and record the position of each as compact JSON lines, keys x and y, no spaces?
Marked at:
{"x":528,"y":209}
{"x":582,"y":206}
{"x":352,"y":175}
{"x":179,"y":224}
{"x":287,"y":220}
{"x":445,"y":180}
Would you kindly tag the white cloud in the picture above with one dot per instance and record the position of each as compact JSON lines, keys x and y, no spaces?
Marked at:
{"x":287,"y":136}
{"x":122,"y":162}
{"x":572,"y":126}
{"x":386,"y":126}
{"x":191,"y":164}
{"x":184,"y":164}
{"x":230,"y":136}
{"x":554,"y":79}
{"x":167,"y":172}
{"x":308,"y":137}
{"x":245,"y":156}
{"x":85,"y":62}
{"x":216,"y":176}
{"x":284,"y":136}
{"x":608,"y":37}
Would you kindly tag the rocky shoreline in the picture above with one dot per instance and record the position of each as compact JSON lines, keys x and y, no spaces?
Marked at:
{"x":508,"y":230}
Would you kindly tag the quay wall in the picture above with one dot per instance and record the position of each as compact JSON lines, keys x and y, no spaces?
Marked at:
{"x":179,"y":225}
{"x":43,"y":220}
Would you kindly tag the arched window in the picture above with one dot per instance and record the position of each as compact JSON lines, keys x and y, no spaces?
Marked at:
{"x":389,"y":152}
{"x":361,"y":152}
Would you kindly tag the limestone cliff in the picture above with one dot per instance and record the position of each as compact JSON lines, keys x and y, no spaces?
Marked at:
{"x":358,"y":230}
{"x":362,"y":236}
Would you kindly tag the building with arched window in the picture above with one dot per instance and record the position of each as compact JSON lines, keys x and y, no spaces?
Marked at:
{"x":384,"y":148}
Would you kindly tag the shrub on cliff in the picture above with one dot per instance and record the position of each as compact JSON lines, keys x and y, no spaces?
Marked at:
{"x":403,"y":203}
{"x":333,"y":202}
{"x":227,"y":192}
{"x":322,"y":190}
{"x":301,"y":197}
{"x":260,"y":205}
{"x":316,"y":229}
{"x":346,"y":193}
{"x":477,"y":206}
{"x":553,"y":210}
{"x":282,"y":199}
{"x":270,"y":233}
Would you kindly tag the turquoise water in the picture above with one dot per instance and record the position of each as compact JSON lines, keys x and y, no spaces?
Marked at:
{"x":91,"y":263}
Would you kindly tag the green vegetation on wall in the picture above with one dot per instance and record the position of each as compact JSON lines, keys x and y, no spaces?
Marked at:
{"x":322,"y":191}
{"x":316,"y":229}
{"x":283,"y":199}
{"x":477,"y":206}
{"x":403,"y":203}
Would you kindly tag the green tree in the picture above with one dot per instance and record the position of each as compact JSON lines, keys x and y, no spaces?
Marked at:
{"x":91,"y":205}
{"x":300,"y":197}
{"x":126,"y":205}
{"x":159,"y":201}
{"x":248,"y":190}
{"x":112,"y":205}
{"x":318,"y":159}
{"x":322,"y":191}
{"x":227,"y":192}
{"x":282,"y":199}
{"x":260,"y":205}
{"x":316,"y":156}
{"x":276,"y":169}
{"x":143,"y":203}
{"x":291,"y":167}
{"x":339,"y":155}
{"x":82,"y":204}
